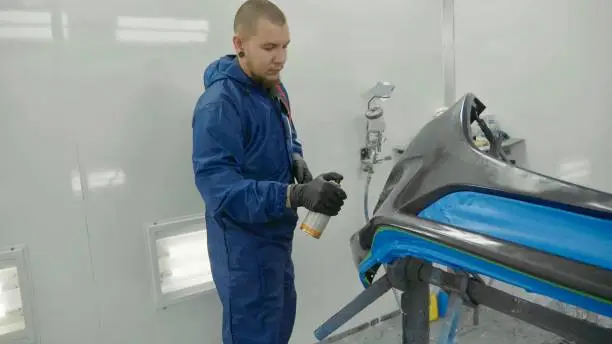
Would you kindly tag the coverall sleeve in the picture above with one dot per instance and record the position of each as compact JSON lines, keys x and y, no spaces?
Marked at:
{"x":217,"y":159}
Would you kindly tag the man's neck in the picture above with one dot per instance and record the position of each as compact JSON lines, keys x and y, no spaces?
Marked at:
{"x":245,"y":68}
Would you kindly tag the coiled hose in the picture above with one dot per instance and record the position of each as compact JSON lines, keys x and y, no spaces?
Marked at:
{"x":366,"y":214}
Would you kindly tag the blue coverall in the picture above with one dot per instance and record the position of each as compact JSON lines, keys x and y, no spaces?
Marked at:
{"x":243,"y":142}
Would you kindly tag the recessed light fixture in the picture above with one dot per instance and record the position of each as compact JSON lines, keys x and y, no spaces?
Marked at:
{"x":178,"y":251}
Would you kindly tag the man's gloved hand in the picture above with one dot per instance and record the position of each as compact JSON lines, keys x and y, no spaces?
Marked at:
{"x":300,"y":170}
{"x":319,"y":195}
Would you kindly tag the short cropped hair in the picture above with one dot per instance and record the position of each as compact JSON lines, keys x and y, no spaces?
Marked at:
{"x":251,"y":11}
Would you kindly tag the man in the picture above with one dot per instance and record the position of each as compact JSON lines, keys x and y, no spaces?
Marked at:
{"x":246,"y":155}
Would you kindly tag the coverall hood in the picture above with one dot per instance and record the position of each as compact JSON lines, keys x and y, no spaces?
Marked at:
{"x":226,"y":67}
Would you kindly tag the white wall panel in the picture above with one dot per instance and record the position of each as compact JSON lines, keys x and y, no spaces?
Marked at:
{"x":96,"y":140}
{"x":135,"y":69}
{"x":38,"y":206}
{"x":543,"y":68}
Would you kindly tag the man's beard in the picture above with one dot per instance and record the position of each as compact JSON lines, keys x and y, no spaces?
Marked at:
{"x":258,"y":79}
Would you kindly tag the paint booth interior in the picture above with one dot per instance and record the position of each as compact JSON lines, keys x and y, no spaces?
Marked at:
{"x":473,"y":138}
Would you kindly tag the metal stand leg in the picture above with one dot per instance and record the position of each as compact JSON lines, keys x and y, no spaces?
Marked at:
{"x":367,"y":297}
{"x":415,"y":313}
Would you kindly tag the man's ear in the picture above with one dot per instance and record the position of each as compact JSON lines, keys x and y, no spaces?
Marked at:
{"x":238,"y":44}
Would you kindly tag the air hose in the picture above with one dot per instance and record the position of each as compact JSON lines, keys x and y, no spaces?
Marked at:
{"x":366,"y":213}
{"x":366,"y":196}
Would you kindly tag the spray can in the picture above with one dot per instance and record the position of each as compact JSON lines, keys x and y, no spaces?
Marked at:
{"x":314,"y":223}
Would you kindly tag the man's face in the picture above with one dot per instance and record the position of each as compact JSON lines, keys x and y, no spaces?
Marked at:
{"x":266,"y":51}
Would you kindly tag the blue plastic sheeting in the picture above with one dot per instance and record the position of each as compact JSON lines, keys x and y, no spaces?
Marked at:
{"x":391,"y":244}
{"x":566,"y":234}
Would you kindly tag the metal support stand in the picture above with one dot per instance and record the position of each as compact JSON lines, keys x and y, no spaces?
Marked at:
{"x":415,"y":313}
{"x":367,"y":297}
{"x":413,"y":277}
{"x":404,"y":274}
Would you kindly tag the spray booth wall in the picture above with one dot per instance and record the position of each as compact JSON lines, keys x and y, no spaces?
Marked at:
{"x":96,"y":142}
{"x":95,"y":134}
{"x":543,"y":67}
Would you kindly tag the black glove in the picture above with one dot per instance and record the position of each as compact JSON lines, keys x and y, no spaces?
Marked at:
{"x":300,"y":170}
{"x":320,"y":195}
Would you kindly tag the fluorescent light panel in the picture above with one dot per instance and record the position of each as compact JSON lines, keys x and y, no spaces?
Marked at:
{"x":27,"y":25}
{"x":178,"y":249}
{"x":145,"y":36}
{"x":170,"y":24}
{"x":12,"y":318}
{"x":25,"y":17}
{"x":183,"y":261}
{"x":161,"y":30}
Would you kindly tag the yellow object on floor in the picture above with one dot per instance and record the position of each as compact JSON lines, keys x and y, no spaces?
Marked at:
{"x":433,"y":307}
